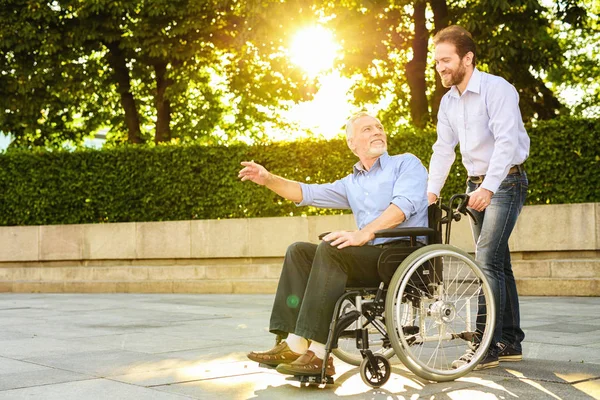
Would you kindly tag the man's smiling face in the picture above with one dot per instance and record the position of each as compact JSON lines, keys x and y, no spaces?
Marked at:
{"x":368,"y":139}
{"x":449,"y":65}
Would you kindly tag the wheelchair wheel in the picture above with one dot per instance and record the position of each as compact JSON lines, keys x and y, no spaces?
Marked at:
{"x":347,"y":350}
{"x":439,"y":305}
{"x":375,"y":375}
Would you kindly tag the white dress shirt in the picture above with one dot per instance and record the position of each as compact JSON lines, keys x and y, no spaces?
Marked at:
{"x":487,"y":123}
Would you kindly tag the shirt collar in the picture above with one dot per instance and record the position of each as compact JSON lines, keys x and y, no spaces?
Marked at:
{"x":382,"y":160}
{"x":474,"y":84}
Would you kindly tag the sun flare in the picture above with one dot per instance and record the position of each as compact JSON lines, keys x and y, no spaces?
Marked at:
{"x":314,"y":50}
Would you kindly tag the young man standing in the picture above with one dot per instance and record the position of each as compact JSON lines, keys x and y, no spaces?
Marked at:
{"x":481,"y":113}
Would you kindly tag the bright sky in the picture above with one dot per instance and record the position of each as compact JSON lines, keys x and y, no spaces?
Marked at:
{"x":314,"y":49}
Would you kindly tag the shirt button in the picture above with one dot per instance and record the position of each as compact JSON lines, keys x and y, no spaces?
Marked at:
{"x":366,"y":193}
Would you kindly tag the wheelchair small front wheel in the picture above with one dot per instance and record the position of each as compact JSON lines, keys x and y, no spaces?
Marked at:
{"x":439,"y":307}
{"x":375,"y":375}
{"x":347,"y":350}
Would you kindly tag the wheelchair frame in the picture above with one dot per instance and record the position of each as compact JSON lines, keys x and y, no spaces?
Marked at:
{"x":403,"y":299}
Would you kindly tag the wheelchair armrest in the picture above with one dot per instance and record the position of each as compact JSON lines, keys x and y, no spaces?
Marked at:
{"x":398,"y":232}
{"x":395,"y":232}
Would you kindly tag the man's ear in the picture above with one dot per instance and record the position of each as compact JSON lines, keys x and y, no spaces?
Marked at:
{"x":350,"y":144}
{"x":468,"y":58}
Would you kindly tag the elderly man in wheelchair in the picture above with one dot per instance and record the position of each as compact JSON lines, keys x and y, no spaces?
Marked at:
{"x":379,"y":286}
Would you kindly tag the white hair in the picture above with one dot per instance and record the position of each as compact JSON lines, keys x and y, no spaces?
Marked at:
{"x":350,"y":123}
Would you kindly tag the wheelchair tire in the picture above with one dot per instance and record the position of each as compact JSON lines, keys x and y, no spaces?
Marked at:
{"x":378,"y":376}
{"x":434,"y":296}
{"x":347,"y":351}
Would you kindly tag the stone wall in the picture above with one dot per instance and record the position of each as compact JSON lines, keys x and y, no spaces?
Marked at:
{"x":555,"y":251}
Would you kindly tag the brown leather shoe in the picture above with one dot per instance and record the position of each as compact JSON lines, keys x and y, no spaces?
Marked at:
{"x":307,"y":364}
{"x":279,"y":354}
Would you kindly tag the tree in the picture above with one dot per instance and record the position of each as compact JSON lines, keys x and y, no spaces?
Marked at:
{"x":190,"y":66}
{"x":389,"y":45}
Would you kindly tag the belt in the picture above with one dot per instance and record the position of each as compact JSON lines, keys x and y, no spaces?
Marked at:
{"x":477,"y":179}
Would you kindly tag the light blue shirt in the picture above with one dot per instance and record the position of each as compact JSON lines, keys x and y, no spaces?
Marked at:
{"x":487,"y":123}
{"x":399,"y":180}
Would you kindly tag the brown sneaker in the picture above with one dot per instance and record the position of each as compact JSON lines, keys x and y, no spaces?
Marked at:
{"x":279,"y":354}
{"x":307,"y":364}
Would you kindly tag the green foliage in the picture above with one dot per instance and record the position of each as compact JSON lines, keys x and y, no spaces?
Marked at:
{"x":69,"y":68}
{"x":564,"y":162}
{"x":139,"y":183}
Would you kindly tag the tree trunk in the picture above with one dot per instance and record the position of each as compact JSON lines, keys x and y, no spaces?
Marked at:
{"x":440,"y":20}
{"x":415,"y":68}
{"x":163,"y":105}
{"x":118,"y":63}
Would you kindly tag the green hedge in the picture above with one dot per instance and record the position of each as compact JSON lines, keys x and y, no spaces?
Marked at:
{"x":195,"y":182}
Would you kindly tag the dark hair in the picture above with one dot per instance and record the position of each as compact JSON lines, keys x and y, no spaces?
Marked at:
{"x":459,"y":37}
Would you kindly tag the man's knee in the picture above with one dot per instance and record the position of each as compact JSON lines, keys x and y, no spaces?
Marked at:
{"x":326,"y":248}
{"x":297,"y":248}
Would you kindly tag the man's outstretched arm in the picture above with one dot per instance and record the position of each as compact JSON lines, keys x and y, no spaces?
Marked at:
{"x":258,"y":174}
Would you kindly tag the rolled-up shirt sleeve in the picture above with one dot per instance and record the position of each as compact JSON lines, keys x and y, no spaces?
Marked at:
{"x":410,"y":187}
{"x":326,"y":195}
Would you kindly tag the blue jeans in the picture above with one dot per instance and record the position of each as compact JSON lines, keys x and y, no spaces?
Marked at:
{"x":495,"y":224}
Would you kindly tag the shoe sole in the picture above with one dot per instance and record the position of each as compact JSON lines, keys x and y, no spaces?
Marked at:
{"x":268,"y":366}
{"x":489,"y":365}
{"x":512,"y":358}
{"x":288,"y":369}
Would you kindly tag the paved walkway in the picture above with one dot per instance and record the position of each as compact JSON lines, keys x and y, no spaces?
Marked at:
{"x":127,"y":346}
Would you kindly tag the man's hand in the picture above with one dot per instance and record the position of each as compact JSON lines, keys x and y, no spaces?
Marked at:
{"x":254,"y":172}
{"x":342,"y":239}
{"x":431,"y":198}
{"x":480,"y":199}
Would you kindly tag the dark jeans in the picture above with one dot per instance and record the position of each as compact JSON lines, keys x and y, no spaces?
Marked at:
{"x":495,"y":224}
{"x":312,"y":280}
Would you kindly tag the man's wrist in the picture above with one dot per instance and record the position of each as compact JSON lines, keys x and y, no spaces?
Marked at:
{"x":370,"y":234}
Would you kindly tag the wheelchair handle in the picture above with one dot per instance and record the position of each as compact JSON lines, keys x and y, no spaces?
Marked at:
{"x":461,"y":208}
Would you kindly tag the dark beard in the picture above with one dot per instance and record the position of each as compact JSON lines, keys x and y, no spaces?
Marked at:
{"x":456,"y":78}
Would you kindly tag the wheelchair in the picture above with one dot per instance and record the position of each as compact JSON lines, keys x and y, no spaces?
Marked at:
{"x":433,"y":304}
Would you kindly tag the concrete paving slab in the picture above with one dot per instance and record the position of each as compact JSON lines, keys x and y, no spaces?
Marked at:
{"x":566,"y":328}
{"x":105,"y":362}
{"x":402,"y":385}
{"x":90,"y":389}
{"x":38,"y":377}
{"x":8,"y":365}
{"x":545,"y":351}
{"x":587,"y":339}
{"x":529,"y":389}
{"x":167,"y":346}
{"x":42,"y":346}
{"x":148,"y":342}
{"x":547,"y":371}
{"x":192,"y":371}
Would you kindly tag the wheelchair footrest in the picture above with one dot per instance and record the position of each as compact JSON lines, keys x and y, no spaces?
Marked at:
{"x":311,"y":379}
